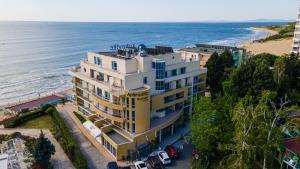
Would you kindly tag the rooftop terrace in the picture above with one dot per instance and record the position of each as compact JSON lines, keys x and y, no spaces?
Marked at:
{"x":117,"y":138}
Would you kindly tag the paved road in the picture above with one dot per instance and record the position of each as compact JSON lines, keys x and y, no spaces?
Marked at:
{"x":95,"y":159}
{"x":185,"y":160}
{"x":59,"y":159}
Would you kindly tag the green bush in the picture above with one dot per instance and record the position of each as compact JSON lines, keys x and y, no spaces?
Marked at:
{"x":80,"y":117}
{"x":22,"y":118}
{"x":62,"y":134}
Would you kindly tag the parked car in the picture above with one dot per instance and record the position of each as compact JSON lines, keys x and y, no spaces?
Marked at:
{"x":140,"y":165}
{"x":112,"y":165}
{"x":172,"y":152}
{"x":163,"y":157}
{"x":154,"y":162}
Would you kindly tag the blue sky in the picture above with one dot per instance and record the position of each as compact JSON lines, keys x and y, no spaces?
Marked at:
{"x":147,"y":10}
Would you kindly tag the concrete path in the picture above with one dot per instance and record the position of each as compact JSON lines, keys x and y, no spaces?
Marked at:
{"x":59,"y":159}
{"x":95,"y":159}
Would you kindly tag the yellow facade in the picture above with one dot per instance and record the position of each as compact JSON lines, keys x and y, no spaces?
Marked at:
{"x":128,"y":112}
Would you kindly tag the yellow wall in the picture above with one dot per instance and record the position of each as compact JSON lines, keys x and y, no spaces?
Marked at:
{"x":142,"y":110}
{"x":159,"y":103}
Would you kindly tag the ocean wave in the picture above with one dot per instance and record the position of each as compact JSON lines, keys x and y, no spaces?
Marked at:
{"x":254,"y":35}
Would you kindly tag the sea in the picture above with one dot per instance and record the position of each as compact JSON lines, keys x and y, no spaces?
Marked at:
{"x":35,"y":56}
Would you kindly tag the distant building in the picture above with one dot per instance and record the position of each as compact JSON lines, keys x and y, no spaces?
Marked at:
{"x":296,"y":40}
{"x":204,"y":51}
{"x":136,"y":95}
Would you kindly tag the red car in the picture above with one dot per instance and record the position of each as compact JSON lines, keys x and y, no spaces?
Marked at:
{"x":172,"y":152}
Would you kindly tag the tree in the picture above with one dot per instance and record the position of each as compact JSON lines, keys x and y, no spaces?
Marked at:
{"x":211,"y":125}
{"x":218,"y":69}
{"x":258,"y":131}
{"x":42,"y":151}
{"x":252,"y":78}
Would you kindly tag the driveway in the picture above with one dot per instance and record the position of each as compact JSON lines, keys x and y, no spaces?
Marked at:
{"x":59,"y":160}
{"x":185,"y":160}
{"x":95,"y":159}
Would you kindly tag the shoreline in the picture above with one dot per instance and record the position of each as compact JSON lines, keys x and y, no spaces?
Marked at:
{"x":275,"y":47}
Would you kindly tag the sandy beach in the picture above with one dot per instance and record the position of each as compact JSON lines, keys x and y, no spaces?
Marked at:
{"x":276,"y":47}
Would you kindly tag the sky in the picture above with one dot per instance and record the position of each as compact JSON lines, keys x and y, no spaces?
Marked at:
{"x":147,"y":10}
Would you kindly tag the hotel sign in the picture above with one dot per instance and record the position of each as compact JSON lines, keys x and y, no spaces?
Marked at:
{"x":117,"y":46}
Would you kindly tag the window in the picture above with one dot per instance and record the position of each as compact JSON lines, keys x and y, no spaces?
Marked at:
{"x":133,"y":127}
{"x":167,"y":86}
{"x":133,"y":115}
{"x":159,"y":85}
{"x":128,"y":126}
{"x":160,"y":69}
{"x":127,"y":102}
{"x":114,"y":65}
{"x":196,"y":79}
{"x":127,"y":115}
{"x":107,"y":95}
{"x":182,"y":70}
{"x":100,"y":77}
{"x":174,"y":72}
{"x":99,"y":92}
{"x":92,"y":73}
{"x":133,"y":103}
{"x":145,"y":80}
{"x":99,"y":61}
{"x":178,"y":84}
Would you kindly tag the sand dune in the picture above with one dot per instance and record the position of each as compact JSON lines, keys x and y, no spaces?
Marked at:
{"x":276,"y":47}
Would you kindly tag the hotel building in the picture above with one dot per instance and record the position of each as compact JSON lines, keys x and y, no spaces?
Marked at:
{"x":204,"y":51}
{"x":296,"y":40}
{"x":136,"y":95}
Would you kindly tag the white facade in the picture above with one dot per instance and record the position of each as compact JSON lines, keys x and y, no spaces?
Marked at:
{"x":296,"y":40}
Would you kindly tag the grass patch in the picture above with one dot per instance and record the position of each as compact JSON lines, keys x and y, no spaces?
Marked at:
{"x":42,"y":122}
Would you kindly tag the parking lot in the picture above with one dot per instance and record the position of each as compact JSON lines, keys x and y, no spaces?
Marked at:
{"x":185,"y":158}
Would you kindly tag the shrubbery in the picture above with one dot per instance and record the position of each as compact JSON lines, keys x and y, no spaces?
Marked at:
{"x":80,"y":117}
{"x":24,"y":118}
{"x":63,"y":136}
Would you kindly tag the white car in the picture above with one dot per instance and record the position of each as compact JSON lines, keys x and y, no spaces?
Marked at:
{"x":163,"y":157}
{"x":140,"y":165}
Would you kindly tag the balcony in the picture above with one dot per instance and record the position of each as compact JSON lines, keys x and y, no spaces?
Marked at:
{"x":114,"y":88}
{"x":112,"y":115}
{"x":166,"y":120}
{"x":80,"y":86}
{"x":107,"y":103}
{"x":80,"y":95}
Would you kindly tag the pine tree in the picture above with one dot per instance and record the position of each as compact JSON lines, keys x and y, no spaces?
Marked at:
{"x":42,"y":152}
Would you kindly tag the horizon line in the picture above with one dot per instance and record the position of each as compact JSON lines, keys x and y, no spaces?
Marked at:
{"x":204,"y":21}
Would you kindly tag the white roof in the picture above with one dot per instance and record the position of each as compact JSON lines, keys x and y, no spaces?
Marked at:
{"x":3,"y":161}
{"x":94,"y":130}
{"x":164,"y":154}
